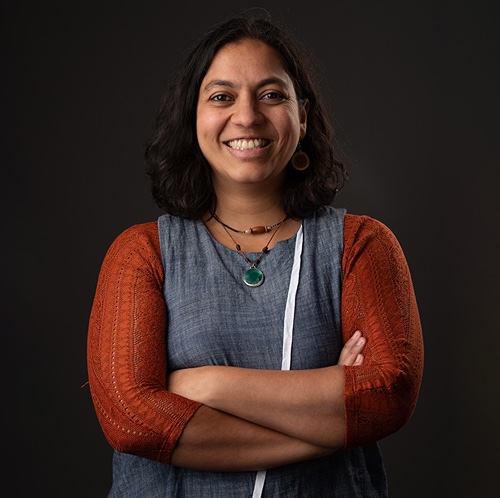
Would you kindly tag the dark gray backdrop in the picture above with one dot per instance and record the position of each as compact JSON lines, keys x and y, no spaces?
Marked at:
{"x":414,"y":87}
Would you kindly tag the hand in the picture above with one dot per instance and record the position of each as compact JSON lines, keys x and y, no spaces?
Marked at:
{"x":351,"y":354}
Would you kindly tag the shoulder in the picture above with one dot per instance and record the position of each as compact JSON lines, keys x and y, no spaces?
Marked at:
{"x":136,"y":245}
{"x":141,"y":230}
{"x":359,"y":228}
{"x":371,"y":242}
{"x":137,"y":235}
{"x":328,"y":220}
{"x":356,"y":227}
{"x":329,"y":214}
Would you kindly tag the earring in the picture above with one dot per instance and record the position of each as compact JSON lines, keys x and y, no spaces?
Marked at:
{"x":300,"y":160}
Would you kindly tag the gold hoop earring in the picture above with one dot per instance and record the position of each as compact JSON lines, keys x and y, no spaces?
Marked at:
{"x":300,"y":160}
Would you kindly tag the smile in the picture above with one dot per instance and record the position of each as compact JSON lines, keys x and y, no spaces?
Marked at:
{"x":251,"y":144}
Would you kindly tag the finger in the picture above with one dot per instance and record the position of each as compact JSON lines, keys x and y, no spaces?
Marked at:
{"x":353,"y":339}
{"x":351,"y":349}
{"x":359,"y":360}
{"x":352,"y":352}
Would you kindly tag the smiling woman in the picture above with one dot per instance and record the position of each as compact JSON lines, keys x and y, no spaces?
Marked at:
{"x":254,"y":340}
{"x":248,"y":121}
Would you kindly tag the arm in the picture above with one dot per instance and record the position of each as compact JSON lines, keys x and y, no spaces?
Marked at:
{"x":243,"y":445}
{"x":127,"y":376}
{"x":304,"y":404}
{"x":217,"y":441}
{"x":126,"y":351}
{"x":378,"y":298}
{"x":334,"y":406}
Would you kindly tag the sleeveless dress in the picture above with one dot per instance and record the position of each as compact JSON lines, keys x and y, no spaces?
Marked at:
{"x":215,"y":319}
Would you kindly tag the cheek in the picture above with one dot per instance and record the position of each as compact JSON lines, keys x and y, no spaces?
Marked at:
{"x":290,"y":123}
{"x":208,"y":123}
{"x":208,"y":129}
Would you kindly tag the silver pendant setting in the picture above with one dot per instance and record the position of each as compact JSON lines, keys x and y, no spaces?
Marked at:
{"x":253,"y":277}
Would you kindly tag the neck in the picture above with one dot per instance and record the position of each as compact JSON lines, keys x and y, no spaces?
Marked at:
{"x":257,"y":230}
{"x":248,"y":207}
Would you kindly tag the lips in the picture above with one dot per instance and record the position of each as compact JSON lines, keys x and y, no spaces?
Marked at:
{"x":248,"y":144}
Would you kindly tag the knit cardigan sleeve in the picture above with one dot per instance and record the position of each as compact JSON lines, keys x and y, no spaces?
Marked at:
{"x":378,"y":298}
{"x":126,"y":350}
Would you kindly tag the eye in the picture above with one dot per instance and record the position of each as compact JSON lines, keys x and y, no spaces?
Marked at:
{"x":220,"y":97}
{"x":273,"y":96}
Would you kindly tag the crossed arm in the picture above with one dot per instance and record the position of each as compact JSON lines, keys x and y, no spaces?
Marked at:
{"x":224,"y":418}
{"x":257,"y":419}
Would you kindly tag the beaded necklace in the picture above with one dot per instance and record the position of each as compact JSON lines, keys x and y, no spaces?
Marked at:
{"x":253,"y":277}
{"x":252,"y":230}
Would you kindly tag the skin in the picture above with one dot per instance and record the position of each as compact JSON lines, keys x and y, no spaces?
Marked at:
{"x":214,"y":440}
{"x":255,"y":419}
{"x":254,"y":100}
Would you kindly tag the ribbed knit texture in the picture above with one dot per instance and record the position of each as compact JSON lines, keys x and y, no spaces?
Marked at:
{"x":138,"y":415}
{"x":127,"y":329}
{"x":378,"y":299}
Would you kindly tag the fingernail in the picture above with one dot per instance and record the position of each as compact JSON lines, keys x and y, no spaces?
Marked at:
{"x":360,"y":342}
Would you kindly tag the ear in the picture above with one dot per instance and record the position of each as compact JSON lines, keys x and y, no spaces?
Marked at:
{"x":303,"y":118}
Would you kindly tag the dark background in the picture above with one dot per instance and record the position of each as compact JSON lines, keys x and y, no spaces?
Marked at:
{"x":414,"y":87}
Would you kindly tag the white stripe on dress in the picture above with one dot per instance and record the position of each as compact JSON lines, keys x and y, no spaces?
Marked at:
{"x":287,"y":335}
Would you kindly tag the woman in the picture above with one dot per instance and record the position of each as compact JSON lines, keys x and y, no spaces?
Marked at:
{"x":255,"y":340}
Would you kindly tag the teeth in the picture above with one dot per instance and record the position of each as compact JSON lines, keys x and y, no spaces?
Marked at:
{"x":256,"y":143}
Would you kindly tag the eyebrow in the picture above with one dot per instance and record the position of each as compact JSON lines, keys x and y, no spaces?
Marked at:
{"x":267,"y":81}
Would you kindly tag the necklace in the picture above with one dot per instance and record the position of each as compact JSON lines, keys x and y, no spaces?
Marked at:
{"x":253,"y":277}
{"x":252,"y":230}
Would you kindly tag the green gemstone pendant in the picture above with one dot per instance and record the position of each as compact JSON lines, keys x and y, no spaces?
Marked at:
{"x":253,"y":277}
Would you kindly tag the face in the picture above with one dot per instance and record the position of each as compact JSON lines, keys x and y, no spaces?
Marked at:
{"x":248,"y":119}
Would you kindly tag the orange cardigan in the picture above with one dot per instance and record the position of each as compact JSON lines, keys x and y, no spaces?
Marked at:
{"x":126,"y":342}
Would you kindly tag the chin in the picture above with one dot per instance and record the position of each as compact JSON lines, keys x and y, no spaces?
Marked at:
{"x":255,"y":180}
{"x":258,"y":176}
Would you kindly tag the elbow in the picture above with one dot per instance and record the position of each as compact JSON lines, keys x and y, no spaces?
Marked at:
{"x":147,"y":432}
{"x":134,"y":440}
{"x":398,"y":399}
{"x":383,"y":408}
{"x":145,"y":446}
{"x":127,"y":434}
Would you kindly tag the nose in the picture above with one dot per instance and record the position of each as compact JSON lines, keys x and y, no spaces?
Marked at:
{"x":247,"y":113}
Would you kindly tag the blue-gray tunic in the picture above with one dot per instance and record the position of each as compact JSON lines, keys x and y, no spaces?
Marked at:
{"x":215,"y":319}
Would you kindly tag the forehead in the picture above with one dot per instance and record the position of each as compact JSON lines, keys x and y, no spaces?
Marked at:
{"x":246,"y":59}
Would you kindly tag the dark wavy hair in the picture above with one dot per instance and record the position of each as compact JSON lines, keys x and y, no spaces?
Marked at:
{"x":181,"y":178}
